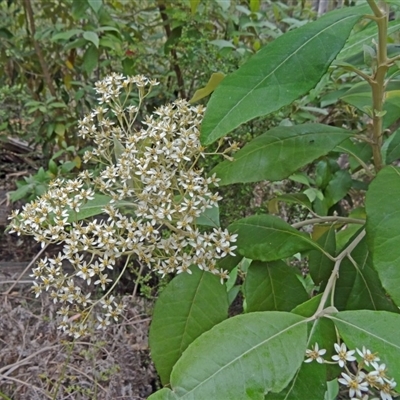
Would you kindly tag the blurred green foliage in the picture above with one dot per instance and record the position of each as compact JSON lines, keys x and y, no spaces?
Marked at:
{"x":52,"y":51}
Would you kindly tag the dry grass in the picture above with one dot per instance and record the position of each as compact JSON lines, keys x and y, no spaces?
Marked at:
{"x":38,"y":362}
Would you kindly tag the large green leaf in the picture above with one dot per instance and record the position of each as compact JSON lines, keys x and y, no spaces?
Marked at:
{"x":358,"y":285}
{"x":279,"y":73}
{"x":279,"y":152}
{"x":244,"y":357}
{"x":268,"y":238}
{"x":378,"y":331}
{"x":190,"y":305}
{"x":319,"y":264}
{"x":383,"y":228}
{"x":273,"y":287}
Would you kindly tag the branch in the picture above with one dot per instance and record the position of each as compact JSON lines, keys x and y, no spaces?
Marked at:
{"x":321,"y":220}
{"x":175,"y":63}
{"x":39,"y":53}
{"x":335,"y":272}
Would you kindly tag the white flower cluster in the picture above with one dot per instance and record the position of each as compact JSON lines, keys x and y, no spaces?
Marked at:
{"x":156,"y":197}
{"x":369,"y":379}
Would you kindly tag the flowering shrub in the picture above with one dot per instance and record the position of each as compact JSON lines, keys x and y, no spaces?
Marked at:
{"x":155,"y":195}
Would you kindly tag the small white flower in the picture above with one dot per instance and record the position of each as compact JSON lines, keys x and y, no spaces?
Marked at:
{"x":343,"y":355}
{"x":367,"y":356}
{"x":379,"y":372}
{"x":315,"y":354}
{"x":386,"y":391}
{"x":355,"y":384}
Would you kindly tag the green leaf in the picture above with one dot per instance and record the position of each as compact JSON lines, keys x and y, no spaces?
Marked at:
{"x":319,"y":264}
{"x":332,"y":390}
{"x":358,"y":285}
{"x":290,"y":198}
{"x":91,"y":208}
{"x":95,"y":5}
{"x":338,"y":187}
{"x":360,"y":152}
{"x":393,"y":150}
{"x":269,"y":238}
{"x":243,"y":357}
{"x":163,"y":394}
{"x":222,"y":43}
{"x":66,"y":35}
{"x":193,"y":6}
{"x":360,"y":97}
{"x":210,"y":217}
{"x":279,"y":152}
{"x":383,"y":228}
{"x":267,"y":81}
{"x":351,"y":52}
{"x":378,"y":331}
{"x":212,"y":83}
{"x":92,"y":37}
{"x":6,"y":34}
{"x":190,"y":305}
{"x":273,"y":287}
{"x":119,"y":148}
{"x":90,"y":59}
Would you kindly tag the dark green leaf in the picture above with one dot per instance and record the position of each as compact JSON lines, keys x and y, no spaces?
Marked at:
{"x":190,"y":305}
{"x":360,"y":97}
{"x":267,"y":81}
{"x":319,"y":264}
{"x":358,"y":286}
{"x":92,"y":37}
{"x":269,"y":238}
{"x":383,"y":228}
{"x":279,"y":152}
{"x":393,"y":150}
{"x":90,"y":59}
{"x":273,"y":287}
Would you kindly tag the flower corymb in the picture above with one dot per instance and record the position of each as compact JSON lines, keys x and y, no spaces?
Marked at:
{"x":156,"y":199}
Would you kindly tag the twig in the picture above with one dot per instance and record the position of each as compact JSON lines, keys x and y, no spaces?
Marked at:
{"x":330,"y":219}
{"x":25,"y":270}
{"x":26,"y":384}
{"x":335,"y":272}
{"x":12,"y":367}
